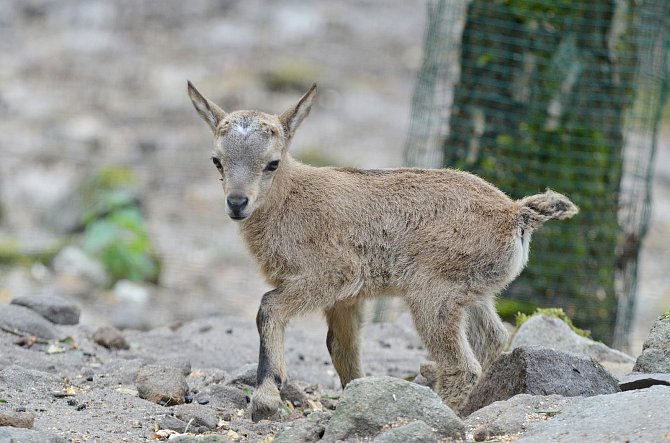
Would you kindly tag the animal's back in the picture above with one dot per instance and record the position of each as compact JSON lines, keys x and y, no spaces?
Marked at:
{"x":383,"y":226}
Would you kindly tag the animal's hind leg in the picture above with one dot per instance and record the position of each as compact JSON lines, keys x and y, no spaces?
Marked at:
{"x":344,"y":325}
{"x":486,"y":333}
{"x":440,"y":320}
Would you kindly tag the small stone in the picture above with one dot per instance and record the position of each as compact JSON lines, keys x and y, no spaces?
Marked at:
{"x":305,"y":430}
{"x":131,"y":292}
{"x":54,"y":308}
{"x":197,"y":415}
{"x":110,"y":338}
{"x":203,"y":400}
{"x":161,"y":385}
{"x":183,"y":364}
{"x":246,"y":375}
{"x":173,"y":423}
{"x":25,"y":321}
{"x":81,"y":407}
{"x":17,"y":419}
{"x":224,"y":396}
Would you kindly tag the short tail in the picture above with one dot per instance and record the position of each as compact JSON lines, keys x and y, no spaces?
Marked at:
{"x":537,"y":209}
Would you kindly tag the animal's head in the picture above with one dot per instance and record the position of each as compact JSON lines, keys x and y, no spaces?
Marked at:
{"x":249,"y":147}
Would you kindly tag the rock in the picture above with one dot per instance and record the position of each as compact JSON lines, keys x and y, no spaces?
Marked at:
{"x":28,"y":380}
{"x":246,"y":375}
{"x":395,"y":401}
{"x":17,"y":419}
{"x":24,"y":321}
{"x":183,"y":364}
{"x":640,"y":416}
{"x":199,"y":418}
{"x":186,"y":438}
{"x":513,"y":416}
{"x":222,"y":396}
{"x":11,"y":434}
{"x":128,"y":291}
{"x":414,"y":432}
{"x":54,"y":308}
{"x":540,"y":371}
{"x":130,"y":315}
{"x":110,"y":338}
{"x":73,"y":261}
{"x":162,"y":385}
{"x":552,"y":332}
{"x":643,"y":381}
{"x":655,"y":355}
{"x":305,"y":430}
{"x":294,"y":394}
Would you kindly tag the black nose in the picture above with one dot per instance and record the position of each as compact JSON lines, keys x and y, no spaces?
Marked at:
{"x":237,"y":202}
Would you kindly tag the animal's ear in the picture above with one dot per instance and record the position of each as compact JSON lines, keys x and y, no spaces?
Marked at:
{"x":292,"y":118}
{"x":207,"y":110}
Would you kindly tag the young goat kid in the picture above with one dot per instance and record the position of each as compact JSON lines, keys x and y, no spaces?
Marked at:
{"x":327,"y":238}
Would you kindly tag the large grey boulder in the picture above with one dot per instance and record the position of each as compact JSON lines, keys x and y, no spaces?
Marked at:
{"x":24,"y":321}
{"x":552,"y":332}
{"x":633,"y":416}
{"x":370,"y":404}
{"x":515,"y":415}
{"x":54,"y":308}
{"x":540,"y":371}
{"x":655,"y":355}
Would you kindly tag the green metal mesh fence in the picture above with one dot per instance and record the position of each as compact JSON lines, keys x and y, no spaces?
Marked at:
{"x":565,"y":94}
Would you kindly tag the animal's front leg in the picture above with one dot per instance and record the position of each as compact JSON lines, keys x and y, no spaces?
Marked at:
{"x":271,"y":321}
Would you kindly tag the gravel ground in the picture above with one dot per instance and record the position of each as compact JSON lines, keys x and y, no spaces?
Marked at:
{"x":85,"y":84}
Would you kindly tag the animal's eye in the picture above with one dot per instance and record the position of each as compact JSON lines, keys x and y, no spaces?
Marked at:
{"x":217,"y":163}
{"x":272,"y":166}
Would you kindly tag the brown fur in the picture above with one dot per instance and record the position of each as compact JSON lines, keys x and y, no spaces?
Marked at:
{"x":328,"y":238}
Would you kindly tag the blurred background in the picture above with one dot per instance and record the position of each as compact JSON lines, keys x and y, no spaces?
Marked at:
{"x":107,"y":192}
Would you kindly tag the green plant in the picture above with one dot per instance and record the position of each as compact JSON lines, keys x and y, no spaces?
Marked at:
{"x":121,"y":242}
{"x":115,"y":231}
{"x":509,"y":308}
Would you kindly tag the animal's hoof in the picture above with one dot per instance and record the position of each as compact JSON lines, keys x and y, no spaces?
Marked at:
{"x":264,"y":406}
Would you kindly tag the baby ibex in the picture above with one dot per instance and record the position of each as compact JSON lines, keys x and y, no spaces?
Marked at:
{"x":328,"y":238}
